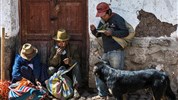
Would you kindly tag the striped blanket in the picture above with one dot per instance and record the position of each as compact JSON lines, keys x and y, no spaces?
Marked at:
{"x":23,"y":90}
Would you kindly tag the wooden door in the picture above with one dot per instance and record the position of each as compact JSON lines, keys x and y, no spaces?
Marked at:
{"x":40,"y":19}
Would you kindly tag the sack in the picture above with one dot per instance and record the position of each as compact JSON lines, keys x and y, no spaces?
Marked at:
{"x":124,"y":42}
{"x":23,"y":90}
{"x":59,"y":85}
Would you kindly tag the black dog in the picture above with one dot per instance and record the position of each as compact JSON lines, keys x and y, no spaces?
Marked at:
{"x":121,"y":81}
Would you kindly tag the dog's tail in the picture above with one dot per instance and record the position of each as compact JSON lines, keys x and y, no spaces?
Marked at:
{"x":169,"y":93}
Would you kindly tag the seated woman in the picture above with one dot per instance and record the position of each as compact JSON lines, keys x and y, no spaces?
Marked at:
{"x":27,"y":65}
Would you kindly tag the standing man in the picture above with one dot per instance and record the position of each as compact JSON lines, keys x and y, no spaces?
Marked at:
{"x":111,"y":24}
{"x":64,"y":54}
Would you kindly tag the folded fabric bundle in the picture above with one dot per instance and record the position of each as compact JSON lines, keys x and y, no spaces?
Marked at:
{"x":23,"y":90}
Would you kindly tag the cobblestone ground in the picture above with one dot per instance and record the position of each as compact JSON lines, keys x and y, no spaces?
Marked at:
{"x":92,"y":95}
{"x":131,"y":96}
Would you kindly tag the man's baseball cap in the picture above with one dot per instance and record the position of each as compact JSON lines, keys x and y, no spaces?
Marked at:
{"x":101,"y":9}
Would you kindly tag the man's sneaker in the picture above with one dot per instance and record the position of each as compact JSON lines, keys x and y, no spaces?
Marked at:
{"x":76,"y":94}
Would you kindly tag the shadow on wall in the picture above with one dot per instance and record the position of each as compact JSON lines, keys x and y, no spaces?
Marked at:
{"x":151,"y":26}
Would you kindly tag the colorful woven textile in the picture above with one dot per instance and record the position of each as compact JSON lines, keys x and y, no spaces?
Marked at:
{"x":23,"y":90}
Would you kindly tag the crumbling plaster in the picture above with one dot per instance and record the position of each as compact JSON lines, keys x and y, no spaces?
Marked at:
{"x":9,"y":18}
{"x":164,"y":10}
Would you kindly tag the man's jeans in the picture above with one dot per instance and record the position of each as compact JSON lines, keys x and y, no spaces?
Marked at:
{"x":76,"y":76}
{"x":116,"y":60}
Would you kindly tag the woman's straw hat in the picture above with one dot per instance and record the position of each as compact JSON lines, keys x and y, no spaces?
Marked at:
{"x":28,"y":51}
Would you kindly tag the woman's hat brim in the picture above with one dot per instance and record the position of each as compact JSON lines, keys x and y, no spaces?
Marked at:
{"x":29,"y":57}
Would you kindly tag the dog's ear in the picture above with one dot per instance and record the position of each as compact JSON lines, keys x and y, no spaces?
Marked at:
{"x":98,"y":63}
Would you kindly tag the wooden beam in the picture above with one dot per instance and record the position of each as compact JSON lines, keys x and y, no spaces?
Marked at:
{"x":2,"y":55}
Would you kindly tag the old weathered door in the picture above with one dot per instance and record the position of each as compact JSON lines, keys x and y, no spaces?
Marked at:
{"x":40,"y":19}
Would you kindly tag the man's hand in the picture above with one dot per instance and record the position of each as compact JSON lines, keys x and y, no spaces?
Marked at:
{"x":108,"y":32}
{"x":59,"y":51}
{"x":92,"y":27}
{"x":67,"y":61}
{"x":38,"y":83}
